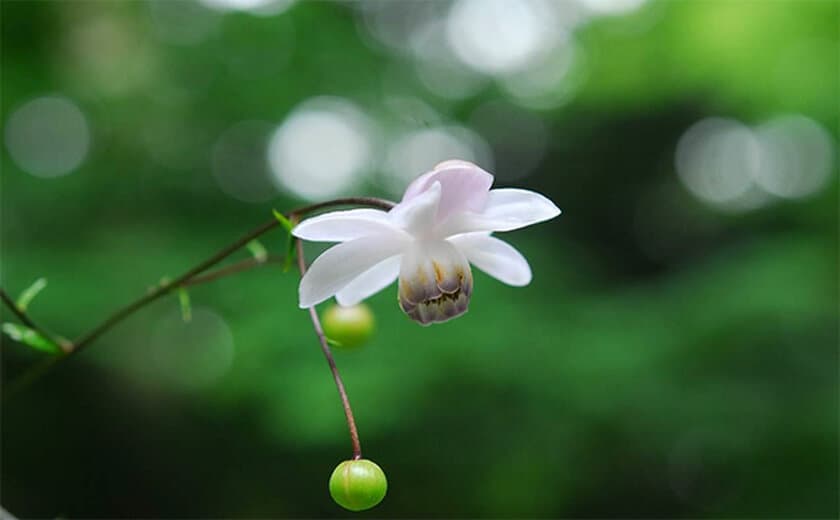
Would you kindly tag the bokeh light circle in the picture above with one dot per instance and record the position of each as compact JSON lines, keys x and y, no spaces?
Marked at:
{"x":500,"y":36}
{"x":797,"y":156}
{"x":193,"y":354}
{"x":48,"y":136}
{"x":321,"y":149}
{"x":255,"y":7}
{"x":437,"y":66}
{"x":736,"y":167}
{"x":182,"y":23}
{"x":613,"y":7}
{"x":416,"y":152}
{"x":716,"y":159}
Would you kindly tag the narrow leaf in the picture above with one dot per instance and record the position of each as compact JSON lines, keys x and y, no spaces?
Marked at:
{"x":29,"y":337}
{"x":334,"y":343}
{"x":30,"y":293}
{"x":290,"y":254}
{"x":286,"y":223}
{"x":186,"y":307}
{"x":258,"y":250}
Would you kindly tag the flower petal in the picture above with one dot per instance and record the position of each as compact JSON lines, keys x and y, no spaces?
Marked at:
{"x":465,"y":187}
{"x":370,"y":282}
{"x":341,"y":226}
{"x":435,"y":282}
{"x":495,"y":257}
{"x":507,"y":209}
{"x":341,"y":264}
{"x":417,"y":215}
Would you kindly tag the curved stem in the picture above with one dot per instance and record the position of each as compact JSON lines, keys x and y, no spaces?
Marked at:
{"x":325,"y":348}
{"x":26,"y":320}
{"x":228,"y":270}
{"x":190,"y":277}
{"x":166,"y":288}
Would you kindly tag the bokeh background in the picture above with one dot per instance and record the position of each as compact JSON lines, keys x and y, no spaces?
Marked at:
{"x":675,"y":355}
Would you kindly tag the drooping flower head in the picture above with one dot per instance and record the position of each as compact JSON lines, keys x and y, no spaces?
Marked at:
{"x":442,"y":225}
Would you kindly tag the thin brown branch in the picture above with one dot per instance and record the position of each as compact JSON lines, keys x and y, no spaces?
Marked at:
{"x":21,"y":315}
{"x":325,"y":348}
{"x":166,"y":288}
{"x":238,"y":267}
{"x":192,"y":276}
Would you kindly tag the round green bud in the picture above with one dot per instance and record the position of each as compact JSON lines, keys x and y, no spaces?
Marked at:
{"x":357,"y":485}
{"x":350,"y":327}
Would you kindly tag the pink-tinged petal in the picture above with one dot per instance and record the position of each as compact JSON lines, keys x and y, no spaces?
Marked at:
{"x":453,"y":163}
{"x":495,"y":257}
{"x":418,"y":186}
{"x":341,"y":226}
{"x":465,"y":187}
{"x":424,"y":182}
{"x":370,"y":282}
{"x":341,"y":264}
{"x":418,"y":215}
{"x":507,"y":209}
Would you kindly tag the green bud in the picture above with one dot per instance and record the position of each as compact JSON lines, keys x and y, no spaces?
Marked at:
{"x":357,"y":485}
{"x":348,"y":327}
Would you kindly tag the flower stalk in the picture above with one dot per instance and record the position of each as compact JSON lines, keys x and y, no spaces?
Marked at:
{"x":325,"y":348}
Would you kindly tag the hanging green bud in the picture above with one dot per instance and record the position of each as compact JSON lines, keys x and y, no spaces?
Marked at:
{"x":357,"y":485}
{"x":348,"y":327}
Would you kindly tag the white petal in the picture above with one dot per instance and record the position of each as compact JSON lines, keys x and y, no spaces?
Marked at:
{"x":417,"y":215}
{"x":495,"y":257}
{"x":507,"y":209}
{"x":341,"y":226}
{"x":519,"y":208}
{"x":370,"y":282}
{"x":464,"y":187}
{"x":435,"y":282}
{"x":339,"y":265}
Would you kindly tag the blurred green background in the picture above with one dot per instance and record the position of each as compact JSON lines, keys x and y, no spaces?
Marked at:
{"x":675,"y":355}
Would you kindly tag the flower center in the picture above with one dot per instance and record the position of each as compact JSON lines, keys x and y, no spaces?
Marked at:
{"x":435,"y":282}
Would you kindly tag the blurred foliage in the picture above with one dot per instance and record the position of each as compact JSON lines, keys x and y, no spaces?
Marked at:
{"x":669,"y":359}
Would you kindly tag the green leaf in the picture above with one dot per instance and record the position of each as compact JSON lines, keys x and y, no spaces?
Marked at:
{"x":290,"y":241}
{"x":290,"y":254}
{"x":186,"y":307}
{"x":334,"y":343}
{"x":258,"y":250}
{"x":27,"y":336}
{"x":30,"y":293}
{"x":285,"y":222}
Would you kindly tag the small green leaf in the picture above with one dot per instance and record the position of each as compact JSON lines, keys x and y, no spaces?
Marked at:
{"x":285,"y":222}
{"x":288,"y":225}
{"x":27,"y":336}
{"x":334,"y":343}
{"x":290,"y":254}
{"x":186,"y":307}
{"x":258,"y":250}
{"x":30,"y":293}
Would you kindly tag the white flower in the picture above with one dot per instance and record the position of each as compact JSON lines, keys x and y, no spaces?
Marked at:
{"x":428,"y":241}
